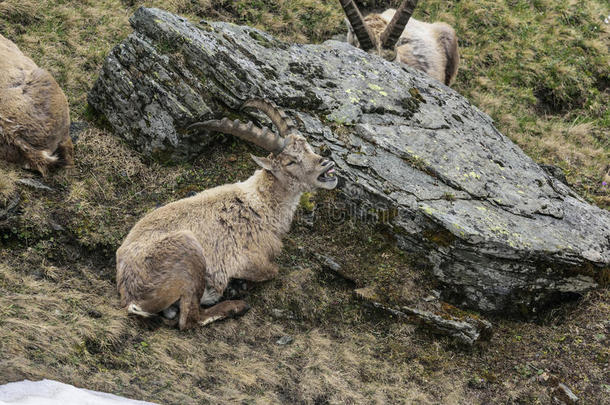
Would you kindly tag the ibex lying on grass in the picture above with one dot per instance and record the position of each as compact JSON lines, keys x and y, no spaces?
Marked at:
{"x":34,"y":114}
{"x":431,"y":48}
{"x":188,"y":250}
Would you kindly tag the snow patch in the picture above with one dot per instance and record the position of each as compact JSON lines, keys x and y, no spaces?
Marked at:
{"x":49,"y":392}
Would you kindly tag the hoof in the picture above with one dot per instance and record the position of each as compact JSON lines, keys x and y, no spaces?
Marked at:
{"x":240,"y":310}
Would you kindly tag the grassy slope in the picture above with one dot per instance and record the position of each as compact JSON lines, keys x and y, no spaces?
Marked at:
{"x":540,"y":68}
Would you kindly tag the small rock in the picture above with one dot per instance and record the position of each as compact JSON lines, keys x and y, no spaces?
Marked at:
{"x":76,"y":127}
{"x":557,"y":172}
{"x":339,"y":37}
{"x":56,"y":227}
{"x":34,"y":184}
{"x":564,"y":394}
{"x":12,"y":204}
{"x":328,"y":262}
{"x":282,"y":314}
{"x":429,"y":298}
{"x":355,"y":159}
{"x":277,"y":313}
{"x":285,"y":340}
{"x":467,"y":331}
{"x":94,"y":313}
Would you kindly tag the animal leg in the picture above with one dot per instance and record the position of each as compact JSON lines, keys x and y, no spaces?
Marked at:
{"x":174,"y":267}
{"x":210,"y":296}
{"x":65,"y":152}
{"x":38,"y":160}
{"x":260,"y":272}
{"x":226,"y":309}
{"x":449,"y":42}
{"x":168,"y":293}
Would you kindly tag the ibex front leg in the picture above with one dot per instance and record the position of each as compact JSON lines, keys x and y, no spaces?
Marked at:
{"x":260,"y":270}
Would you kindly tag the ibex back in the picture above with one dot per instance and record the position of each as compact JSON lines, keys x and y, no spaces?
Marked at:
{"x":188,"y":250}
{"x":34,"y":114}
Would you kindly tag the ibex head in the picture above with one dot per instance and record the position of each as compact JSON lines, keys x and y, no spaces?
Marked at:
{"x":292,"y":161}
{"x":371,"y":39}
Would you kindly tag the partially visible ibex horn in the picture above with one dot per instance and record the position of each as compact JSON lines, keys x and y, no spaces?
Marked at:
{"x":284,"y":125}
{"x":365,"y":38}
{"x":262,"y":137}
{"x":394,"y":30}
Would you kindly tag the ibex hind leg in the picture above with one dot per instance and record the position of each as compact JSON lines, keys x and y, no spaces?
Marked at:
{"x":169,"y":291}
{"x":177,"y":267}
{"x":65,"y":153}
{"x":38,"y":160}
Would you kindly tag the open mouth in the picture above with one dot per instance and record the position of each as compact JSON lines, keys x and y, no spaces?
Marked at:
{"x":328,"y":174}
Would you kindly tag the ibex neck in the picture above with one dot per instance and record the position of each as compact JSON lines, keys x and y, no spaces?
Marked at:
{"x":281,"y":201}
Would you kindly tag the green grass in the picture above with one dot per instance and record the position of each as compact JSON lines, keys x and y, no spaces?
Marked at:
{"x":539,"y":68}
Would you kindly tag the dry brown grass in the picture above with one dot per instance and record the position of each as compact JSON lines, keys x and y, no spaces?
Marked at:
{"x":20,"y":11}
{"x":8,"y":178}
{"x":64,"y":323}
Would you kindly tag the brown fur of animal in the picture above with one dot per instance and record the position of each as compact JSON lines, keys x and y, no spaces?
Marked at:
{"x":188,"y":250}
{"x":34,"y":114}
{"x":431,"y":48}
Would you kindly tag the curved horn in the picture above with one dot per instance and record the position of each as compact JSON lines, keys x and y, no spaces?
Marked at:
{"x":365,"y":38}
{"x":390,"y":35}
{"x":279,"y":118}
{"x":262,"y":137}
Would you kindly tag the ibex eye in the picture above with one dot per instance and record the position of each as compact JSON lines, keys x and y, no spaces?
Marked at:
{"x":291,"y":163}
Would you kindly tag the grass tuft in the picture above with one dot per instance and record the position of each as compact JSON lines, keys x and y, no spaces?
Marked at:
{"x":8,"y":179}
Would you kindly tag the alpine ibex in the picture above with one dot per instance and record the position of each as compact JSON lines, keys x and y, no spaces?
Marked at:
{"x":188,"y":250}
{"x":431,"y":48}
{"x":34,"y":114}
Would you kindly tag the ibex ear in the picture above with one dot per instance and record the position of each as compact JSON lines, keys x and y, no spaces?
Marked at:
{"x":264,"y":162}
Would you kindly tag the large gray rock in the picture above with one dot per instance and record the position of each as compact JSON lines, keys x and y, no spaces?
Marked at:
{"x":501,"y":233}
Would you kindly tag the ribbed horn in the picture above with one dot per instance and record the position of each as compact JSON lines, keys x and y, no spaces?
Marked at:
{"x":262,"y":137}
{"x":279,"y":118}
{"x":365,"y":38}
{"x":394,"y":30}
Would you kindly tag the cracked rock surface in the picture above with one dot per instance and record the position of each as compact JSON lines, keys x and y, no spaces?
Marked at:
{"x":502,"y":234}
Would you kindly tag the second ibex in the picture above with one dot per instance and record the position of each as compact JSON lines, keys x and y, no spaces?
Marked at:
{"x":187,"y":251}
{"x":393,"y":34}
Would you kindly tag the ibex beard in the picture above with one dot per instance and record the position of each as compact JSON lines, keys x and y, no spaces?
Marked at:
{"x":186,"y":252}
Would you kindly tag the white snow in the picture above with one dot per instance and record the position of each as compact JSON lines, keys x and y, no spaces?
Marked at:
{"x":49,"y":392}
